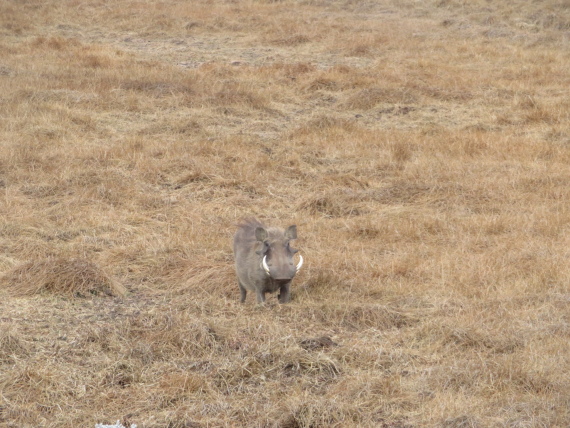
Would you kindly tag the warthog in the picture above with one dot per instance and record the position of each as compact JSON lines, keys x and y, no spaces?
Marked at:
{"x":264,"y":259}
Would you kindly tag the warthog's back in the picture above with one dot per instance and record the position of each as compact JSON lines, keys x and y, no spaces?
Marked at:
{"x":244,"y":239}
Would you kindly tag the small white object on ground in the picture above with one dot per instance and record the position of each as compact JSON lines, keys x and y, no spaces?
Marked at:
{"x":117,"y":425}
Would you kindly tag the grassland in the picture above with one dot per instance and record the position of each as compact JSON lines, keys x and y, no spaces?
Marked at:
{"x":422,"y":149}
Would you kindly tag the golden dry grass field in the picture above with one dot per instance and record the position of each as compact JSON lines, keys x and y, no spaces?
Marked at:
{"x":421,"y":147}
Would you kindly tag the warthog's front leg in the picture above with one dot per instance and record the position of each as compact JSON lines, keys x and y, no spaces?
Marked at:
{"x":242,"y":291}
{"x":284,"y":293}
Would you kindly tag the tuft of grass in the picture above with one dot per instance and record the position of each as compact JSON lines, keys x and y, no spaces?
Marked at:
{"x":60,"y":276}
{"x":12,"y":346}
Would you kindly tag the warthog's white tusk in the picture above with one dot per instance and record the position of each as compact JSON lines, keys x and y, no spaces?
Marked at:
{"x":300,"y":262}
{"x":264,"y":265}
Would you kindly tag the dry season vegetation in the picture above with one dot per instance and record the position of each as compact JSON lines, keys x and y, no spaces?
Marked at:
{"x":421,"y":147}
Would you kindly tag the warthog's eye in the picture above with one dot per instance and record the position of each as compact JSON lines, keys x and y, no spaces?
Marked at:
{"x":264,"y":249}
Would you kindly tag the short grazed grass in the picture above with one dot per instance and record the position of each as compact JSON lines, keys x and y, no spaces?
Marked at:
{"x":422,"y":149}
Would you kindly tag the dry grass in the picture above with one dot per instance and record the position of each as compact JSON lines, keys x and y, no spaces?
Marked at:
{"x":74,"y":277}
{"x":422,"y":148}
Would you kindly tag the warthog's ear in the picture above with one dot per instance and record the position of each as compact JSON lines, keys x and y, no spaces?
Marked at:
{"x":291,"y":232}
{"x":260,"y":234}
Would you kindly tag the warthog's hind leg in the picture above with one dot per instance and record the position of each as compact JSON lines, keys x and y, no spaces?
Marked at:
{"x":260,"y":296}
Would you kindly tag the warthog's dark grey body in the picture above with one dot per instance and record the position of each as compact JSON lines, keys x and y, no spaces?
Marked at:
{"x":264,"y":259}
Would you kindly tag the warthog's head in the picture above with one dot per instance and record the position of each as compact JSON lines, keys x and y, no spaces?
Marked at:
{"x":277,"y":254}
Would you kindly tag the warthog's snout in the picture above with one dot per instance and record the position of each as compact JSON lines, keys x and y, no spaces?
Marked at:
{"x":281,"y":270}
